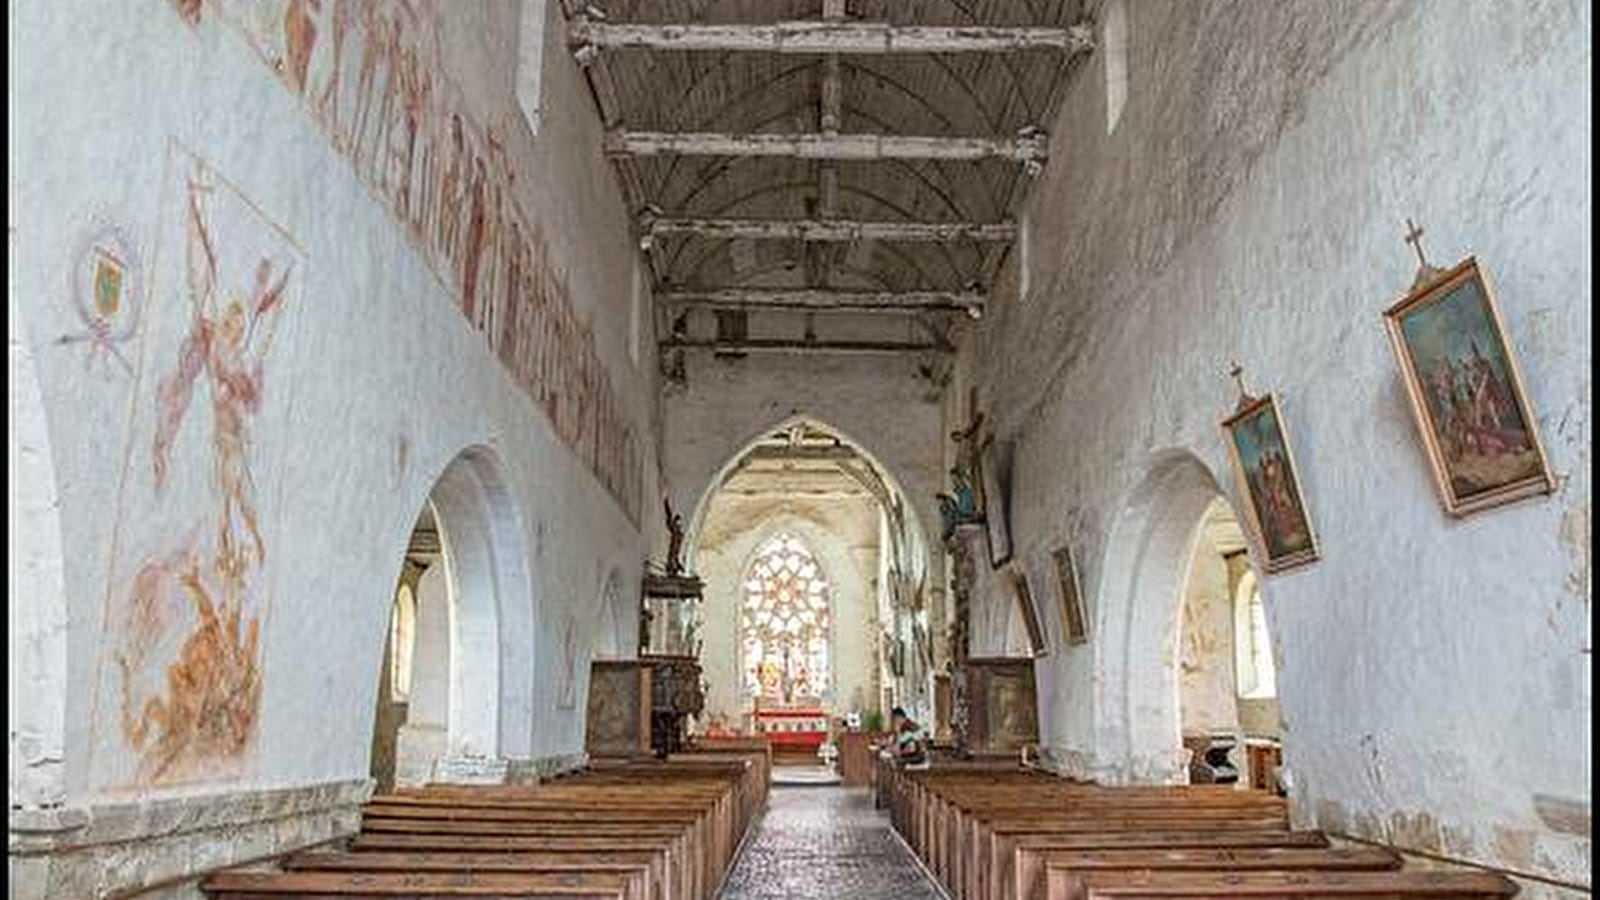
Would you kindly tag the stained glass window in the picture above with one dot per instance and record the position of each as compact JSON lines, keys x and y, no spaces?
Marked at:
{"x":785,"y":625}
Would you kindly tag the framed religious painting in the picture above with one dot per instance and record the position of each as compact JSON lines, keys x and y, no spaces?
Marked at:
{"x":1002,"y":705}
{"x":1073,"y":623}
{"x":1258,"y":444}
{"x":1479,"y":430}
{"x":1023,"y":597}
{"x":992,"y":503}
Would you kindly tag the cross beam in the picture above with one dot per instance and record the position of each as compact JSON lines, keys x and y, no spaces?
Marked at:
{"x":824,"y":146}
{"x":830,"y":37}
{"x":800,"y":454}
{"x":768,"y":345}
{"x":824,"y":230}
{"x":970,"y":302}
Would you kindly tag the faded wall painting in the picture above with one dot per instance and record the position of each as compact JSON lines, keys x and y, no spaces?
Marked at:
{"x":1467,"y":394}
{"x":106,"y":298}
{"x":618,"y":720}
{"x":1004,"y":712}
{"x":179,"y":691}
{"x":371,"y":73}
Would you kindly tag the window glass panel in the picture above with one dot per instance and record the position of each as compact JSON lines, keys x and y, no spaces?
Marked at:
{"x":784,"y":629}
{"x":402,"y":638}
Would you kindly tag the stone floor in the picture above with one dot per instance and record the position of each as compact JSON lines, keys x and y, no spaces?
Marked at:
{"x":808,"y":776}
{"x":826,"y":842}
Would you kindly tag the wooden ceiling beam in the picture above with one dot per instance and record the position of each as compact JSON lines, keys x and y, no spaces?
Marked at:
{"x":768,"y":345}
{"x":828,"y":37}
{"x":801,"y":454}
{"x":1029,"y":148}
{"x":970,"y":302}
{"x":827,"y":230}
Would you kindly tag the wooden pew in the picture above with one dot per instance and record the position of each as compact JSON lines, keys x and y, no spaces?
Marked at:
{"x":234,"y":885}
{"x":1004,"y":833}
{"x":1066,"y":869}
{"x":639,"y":830}
{"x":1025,"y":850}
{"x":1295,"y":885}
{"x":645,"y":867}
{"x":965,"y":828}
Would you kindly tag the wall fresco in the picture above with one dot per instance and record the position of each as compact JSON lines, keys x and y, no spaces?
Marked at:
{"x":181,"y":678}
{"x":371,"y":73}
{"x":105,"y":291}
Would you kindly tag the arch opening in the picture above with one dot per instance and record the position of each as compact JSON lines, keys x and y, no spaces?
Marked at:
{"x":805,"y":530}
{"x":448,"y":681}
{"x":1167,"y":610}
{"x":1227,"y":703}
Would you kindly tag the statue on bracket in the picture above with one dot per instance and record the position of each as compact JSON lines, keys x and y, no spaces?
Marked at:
{"x":675,"y":540}
{"x":960,"y":506}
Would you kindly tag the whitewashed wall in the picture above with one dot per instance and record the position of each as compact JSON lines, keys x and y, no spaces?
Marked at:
{"x":1249,"y":205}
{"x":880,"y":404}
{"x":378,"y":385}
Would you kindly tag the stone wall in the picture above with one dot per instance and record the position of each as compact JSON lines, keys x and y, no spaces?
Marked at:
{"x":273,"y":276}
{"x":880,"y":404}
{"x":1249,"y":205}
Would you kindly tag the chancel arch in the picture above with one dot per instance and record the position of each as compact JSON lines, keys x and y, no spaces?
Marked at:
{"x":807,"y":545}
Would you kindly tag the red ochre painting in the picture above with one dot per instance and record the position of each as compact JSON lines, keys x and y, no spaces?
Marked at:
{"x":181,"y":674}
{"x":371,"y":74}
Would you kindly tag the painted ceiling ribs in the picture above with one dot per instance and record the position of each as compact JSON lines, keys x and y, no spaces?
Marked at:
{"x":885,"y":186}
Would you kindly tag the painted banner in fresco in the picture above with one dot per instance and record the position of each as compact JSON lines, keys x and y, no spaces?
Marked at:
{"x":372,"y":75}
{"x":179,"y":690}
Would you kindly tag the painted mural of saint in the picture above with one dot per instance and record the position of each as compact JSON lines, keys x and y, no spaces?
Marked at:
{"x":188,"y":660}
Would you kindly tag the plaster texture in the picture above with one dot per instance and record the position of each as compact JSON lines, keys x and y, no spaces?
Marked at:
{"x":1434,"y":672}
{"x":879,"y":404}
{"x":377,"y":385}
{"x":1207,"y":696}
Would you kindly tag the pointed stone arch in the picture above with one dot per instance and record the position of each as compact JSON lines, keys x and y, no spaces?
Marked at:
{"x":914,"y":520}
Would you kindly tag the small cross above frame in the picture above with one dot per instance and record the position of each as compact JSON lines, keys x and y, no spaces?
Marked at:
{"x":1426,"y":272}
{"x":1245,"y":398}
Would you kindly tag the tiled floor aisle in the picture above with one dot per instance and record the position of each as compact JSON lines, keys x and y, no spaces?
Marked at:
{"x":826,"y":842}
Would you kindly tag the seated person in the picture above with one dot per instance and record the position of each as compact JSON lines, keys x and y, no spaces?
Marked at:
{"x":910,"y":745}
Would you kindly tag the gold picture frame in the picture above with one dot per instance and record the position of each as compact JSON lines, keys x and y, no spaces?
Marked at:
{"x":1030,"y":614}
{"x":992,"y":502}
{"x":1467,"y":394}
{"x":1074,"y":624}
{"x":1265,"y":470}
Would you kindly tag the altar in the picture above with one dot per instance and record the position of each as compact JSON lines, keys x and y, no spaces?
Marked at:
{"x":792,"y":730}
